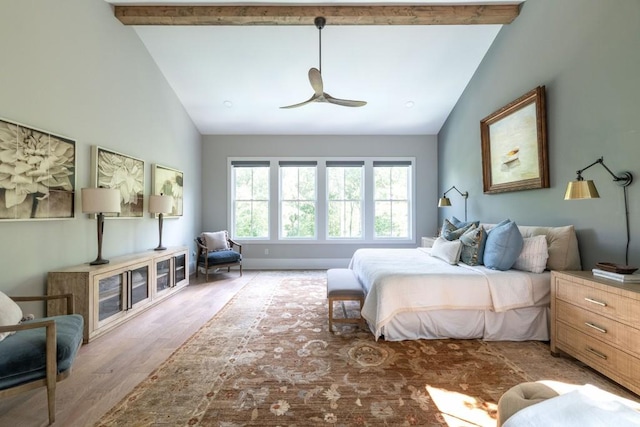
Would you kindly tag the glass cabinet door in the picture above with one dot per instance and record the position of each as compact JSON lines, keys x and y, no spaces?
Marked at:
{"x":180,"y":266}
{"x":110,"y":296}
{"x":163,"y":274}
{"x":139,"y":284}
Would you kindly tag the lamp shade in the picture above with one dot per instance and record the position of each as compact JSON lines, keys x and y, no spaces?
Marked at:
{"x":100,"y":200}
{"x":160,"y":204}
{"x":443,"y":202}
{"x":581,"y":190}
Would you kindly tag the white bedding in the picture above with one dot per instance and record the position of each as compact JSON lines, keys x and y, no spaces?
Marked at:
{"x":403,"y":283}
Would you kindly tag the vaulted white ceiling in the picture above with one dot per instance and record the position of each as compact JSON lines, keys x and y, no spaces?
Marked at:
{"x":233,"y":79}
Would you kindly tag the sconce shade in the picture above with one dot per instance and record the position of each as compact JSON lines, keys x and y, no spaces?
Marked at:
{"x":581,"y":190}
{"x":160,"y":204}
{"x":100,"y":200}
{"x":444,"y":201}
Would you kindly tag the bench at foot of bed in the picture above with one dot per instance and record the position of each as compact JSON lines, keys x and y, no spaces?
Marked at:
{"x":343,"y":285}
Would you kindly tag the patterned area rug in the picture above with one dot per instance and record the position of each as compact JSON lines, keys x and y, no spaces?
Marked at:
{"x":268,"y":359}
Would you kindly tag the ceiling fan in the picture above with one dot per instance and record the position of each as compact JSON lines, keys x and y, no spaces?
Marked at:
{"x":315,"y":78}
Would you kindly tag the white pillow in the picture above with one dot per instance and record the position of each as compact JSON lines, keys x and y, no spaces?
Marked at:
{"x":448,"y":251}
{"x":216,"y":241}
{"x":10,"y":314}
{"x":534,"y":255}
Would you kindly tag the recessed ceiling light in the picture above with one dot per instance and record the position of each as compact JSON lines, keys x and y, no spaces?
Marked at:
{"x":409,"y":104}
{"x":228,"y":104}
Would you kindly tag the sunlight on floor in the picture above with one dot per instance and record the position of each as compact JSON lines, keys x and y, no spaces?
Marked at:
{"x":458,"y":409}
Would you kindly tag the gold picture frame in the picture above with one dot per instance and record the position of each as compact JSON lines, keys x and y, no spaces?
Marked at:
{"x":37,"y":174}
{"x":170,"y":182}
{"x":514,"y":145}
{"x":110,"y":169}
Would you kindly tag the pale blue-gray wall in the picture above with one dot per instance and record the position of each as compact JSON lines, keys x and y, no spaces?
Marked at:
{"x":217,"y":149}
{"x":587,"y":54}
{"x":70,"y":68}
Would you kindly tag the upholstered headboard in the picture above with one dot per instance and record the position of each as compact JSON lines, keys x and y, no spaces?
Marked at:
{"x":562,"y":243}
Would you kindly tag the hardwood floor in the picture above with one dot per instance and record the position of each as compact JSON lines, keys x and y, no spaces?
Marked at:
{"x":109,"y":367}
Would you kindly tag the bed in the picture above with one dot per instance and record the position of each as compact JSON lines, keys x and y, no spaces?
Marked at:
{"x":413,"y":295}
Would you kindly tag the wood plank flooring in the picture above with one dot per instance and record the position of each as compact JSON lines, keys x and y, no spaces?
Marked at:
{"x":111,"y":366}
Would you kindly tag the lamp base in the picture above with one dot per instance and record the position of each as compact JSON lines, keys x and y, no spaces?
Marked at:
{"x":160,"y":248}
{"x":99,"y":261}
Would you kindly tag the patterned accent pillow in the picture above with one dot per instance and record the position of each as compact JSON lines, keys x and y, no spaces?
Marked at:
{"x":503,"y":246}
{"x":448,"y":251}
{"x":534,"y":255}
{"x":473,"y":241}
{"x":451,"y":232}
{"x":455,"y":221}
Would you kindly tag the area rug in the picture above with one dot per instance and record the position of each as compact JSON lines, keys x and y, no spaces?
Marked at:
{"x":268,"y":359}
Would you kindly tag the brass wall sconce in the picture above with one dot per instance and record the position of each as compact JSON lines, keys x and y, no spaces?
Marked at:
{"x":581,"y":189}
{"x":444,"y":201}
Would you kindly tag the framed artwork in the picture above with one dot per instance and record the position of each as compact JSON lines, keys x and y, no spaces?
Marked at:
{"x":110,"y":169}
{"x":37,"y":173}
{"x":169,"y":182}
{"x":514,"y":145}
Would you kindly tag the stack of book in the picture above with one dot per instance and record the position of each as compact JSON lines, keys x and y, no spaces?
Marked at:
{"x":626,"y":278}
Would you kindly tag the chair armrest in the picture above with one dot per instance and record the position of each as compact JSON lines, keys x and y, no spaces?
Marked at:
{"x":233,"y":243}
{"x":71,"y":307}
{"x":32,"y":325}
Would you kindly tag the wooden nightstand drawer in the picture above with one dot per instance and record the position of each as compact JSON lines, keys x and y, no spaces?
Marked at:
{"x":599,"y":327}
{"x":612,"y":362}
{"x":608,"y":304}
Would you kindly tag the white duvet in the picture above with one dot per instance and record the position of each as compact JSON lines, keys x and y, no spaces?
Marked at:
{"x":402,"y":280}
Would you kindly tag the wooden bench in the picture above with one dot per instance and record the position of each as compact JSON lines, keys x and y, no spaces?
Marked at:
{"x":343,"y":285}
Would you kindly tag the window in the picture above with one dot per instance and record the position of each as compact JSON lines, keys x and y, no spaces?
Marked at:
{"x":297,"y":199}
{"x":250,"y":189}
{"x":322,"y":200}
{"x":392,"y":191}
{"x":344,"y":199}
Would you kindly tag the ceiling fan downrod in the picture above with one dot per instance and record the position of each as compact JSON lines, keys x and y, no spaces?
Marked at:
{"x":319,"y":23}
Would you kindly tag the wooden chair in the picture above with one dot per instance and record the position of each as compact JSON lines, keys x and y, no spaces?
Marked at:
{"x":216,"y":257}
{"x":40,"y":352}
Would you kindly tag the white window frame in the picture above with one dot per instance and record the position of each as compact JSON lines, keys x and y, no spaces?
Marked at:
{"x":321,"y":202}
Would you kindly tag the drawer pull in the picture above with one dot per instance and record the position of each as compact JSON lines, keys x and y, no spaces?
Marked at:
{"x":597,"y":353}
{"x":597,"y":328}
{"x":600,"y":303}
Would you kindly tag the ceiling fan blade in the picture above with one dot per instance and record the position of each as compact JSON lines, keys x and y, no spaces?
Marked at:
{"x":313,"y":98}
{"x":315,"y":78}
{"x":344,"y":102}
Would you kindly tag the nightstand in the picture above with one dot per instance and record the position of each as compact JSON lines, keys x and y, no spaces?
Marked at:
{"x":427,"y":242}
{"x":597,"y":321}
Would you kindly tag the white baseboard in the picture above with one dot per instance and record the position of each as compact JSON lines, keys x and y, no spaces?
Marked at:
{"x":294,"y":263}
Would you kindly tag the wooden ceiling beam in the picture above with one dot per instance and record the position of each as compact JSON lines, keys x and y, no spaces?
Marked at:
{"x":476,"y":14}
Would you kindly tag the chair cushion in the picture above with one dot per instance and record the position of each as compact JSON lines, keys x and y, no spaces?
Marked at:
{"x":10,"y":314}
{"x":221,"y":257}
{"x":216,"y":241}
{"x":23,"y":357}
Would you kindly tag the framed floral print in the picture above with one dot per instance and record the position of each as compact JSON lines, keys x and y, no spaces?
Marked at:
{"x":37,"y":173}
{"x":514,"y":145}
{"x":169,"y":182}
{"x":119,"y":171}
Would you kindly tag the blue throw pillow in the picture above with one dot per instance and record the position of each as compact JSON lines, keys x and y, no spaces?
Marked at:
{"x":503,"y":246}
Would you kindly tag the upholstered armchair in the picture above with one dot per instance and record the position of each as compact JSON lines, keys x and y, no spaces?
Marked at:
{"x":216,"y":250}
{"x":38,"y":352}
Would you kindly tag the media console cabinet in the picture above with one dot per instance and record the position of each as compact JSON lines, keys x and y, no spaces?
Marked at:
{"x":109,"y":294}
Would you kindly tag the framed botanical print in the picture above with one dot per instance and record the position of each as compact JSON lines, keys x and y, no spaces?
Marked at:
{"x":37,"y":173}
{"x":111,"y":169}
{"x":168,"y":181}
{"x":514,"y":145}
